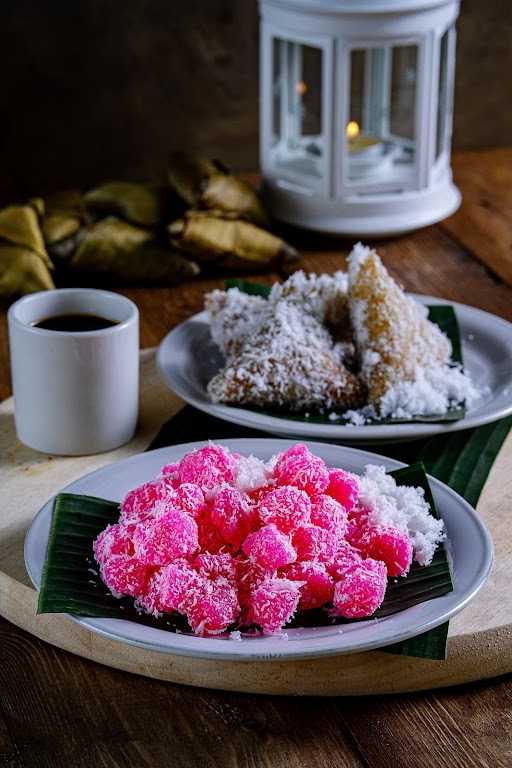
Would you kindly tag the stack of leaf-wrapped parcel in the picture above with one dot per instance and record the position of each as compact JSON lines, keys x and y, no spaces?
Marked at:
{"x":130,"y":233}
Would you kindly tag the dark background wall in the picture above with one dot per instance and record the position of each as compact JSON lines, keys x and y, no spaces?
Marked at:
{"x":96,"y":89}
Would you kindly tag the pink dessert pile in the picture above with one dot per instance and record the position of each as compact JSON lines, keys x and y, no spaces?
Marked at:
{"x":230,"y":542}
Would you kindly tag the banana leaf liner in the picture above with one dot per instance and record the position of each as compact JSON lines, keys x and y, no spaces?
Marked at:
{"x":202,"y":183}
{"x":25,"y":266}
{"x":144,"y":205}
{"x":125,"y":254}
{"x":227,"y":243}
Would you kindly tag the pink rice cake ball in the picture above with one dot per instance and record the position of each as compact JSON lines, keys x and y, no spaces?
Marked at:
{"x":189,"y":498}
{"x":287,"y":507}
{"x":179,"y":586}
{"x":208,"y":467}
{"x":329,"y":544}
{"x":125,"y":575}
{"x":116,"y":539}
{"x":258,"y":493}
{"x":139,"y":503}
{"x":318,"y":586}
{"x":249,"y":575}
{"x":361,"y":590}
{"x":308,"y":541}
{"x":159,"y":542}
{"x":215,"y":608}
{"x":210,"y":539}
{"x":232,"y":515}
{"x":169,"y":473}
{"x":344,"y":560}
{"x":214,"y":567}
{"x":299,"y":467}
{"x":344,"y":487}
{"x":357,"y":526}
{"x":149,"y":601}
{"x":390,"y":545}
{"x":328,"y":513}
{"x":269,"y":547}
{"x":273,"y":603}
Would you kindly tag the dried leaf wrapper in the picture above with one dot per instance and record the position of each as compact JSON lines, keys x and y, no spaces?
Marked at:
{"x":204,"y":184}
{"x":24,"y":263}
{"x":144,"y":205}
{"x":228,"y":243}
{"x":129,"y":255}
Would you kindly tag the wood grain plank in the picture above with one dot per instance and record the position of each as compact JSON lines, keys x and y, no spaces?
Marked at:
{"x":466,"y":727}
{"x":9,"y":754}
{"x":483,"y":223}
{"x":62,"y":710}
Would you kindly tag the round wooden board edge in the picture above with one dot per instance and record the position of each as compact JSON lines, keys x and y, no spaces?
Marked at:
{"x":359,"y":674}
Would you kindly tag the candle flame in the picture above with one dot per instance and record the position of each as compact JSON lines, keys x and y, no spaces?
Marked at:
{"x":352,"y":130}
{"x":301,"y":88}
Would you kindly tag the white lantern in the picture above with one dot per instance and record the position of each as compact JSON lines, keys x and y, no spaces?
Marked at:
{"x":356,"y":113}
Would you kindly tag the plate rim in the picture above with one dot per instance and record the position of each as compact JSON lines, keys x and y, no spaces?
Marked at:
{"x":374,"y":433}
{"x":239,"y":652}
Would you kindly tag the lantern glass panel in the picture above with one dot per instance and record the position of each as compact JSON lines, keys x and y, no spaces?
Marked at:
{"x":442,"y":103}
{"x":298,"y":145}
{"x":381,"y":131}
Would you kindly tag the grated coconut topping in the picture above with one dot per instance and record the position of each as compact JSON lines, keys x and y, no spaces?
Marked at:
{"x":402,"y":507}
{"x":234,"y":316}
{"x":323,"y":296}
{"x":252,"y":473}
{"x":293,"y":349}
{"x":291,"y":361}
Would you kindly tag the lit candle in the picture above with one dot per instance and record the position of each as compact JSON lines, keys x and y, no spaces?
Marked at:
{"x":367,"y":154}
{"x":357,"y":142}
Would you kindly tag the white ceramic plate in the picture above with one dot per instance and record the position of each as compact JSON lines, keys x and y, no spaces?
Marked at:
{"x":188,"y":359}
{"x":470,"y":552}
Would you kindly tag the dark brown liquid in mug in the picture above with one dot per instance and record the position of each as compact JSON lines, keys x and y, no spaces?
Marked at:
{"x":75,"y":323}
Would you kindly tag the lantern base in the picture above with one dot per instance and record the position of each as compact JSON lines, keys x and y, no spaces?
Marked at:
{"x":380,"y":215}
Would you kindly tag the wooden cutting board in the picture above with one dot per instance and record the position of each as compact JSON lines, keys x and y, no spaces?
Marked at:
{"x":480,"y":639}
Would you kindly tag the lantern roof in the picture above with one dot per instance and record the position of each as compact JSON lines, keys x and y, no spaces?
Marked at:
{"x":363,"y":7}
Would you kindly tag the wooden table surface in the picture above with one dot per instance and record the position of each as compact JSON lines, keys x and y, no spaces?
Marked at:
{"x":60,"y":710}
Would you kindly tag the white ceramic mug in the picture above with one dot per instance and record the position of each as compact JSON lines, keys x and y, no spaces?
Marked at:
{"x":75,"y":392}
